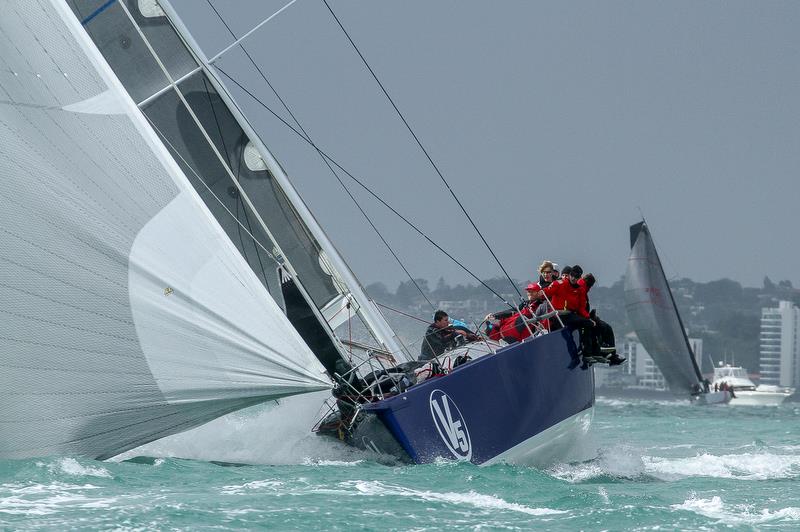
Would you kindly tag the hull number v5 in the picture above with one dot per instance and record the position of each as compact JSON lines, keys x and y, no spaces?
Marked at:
{"x":451,"y":425}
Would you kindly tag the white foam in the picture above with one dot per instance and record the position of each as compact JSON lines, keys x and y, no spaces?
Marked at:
{"x":71,"y":466}
{"x":471,"y":498}
{"x":624,"y":462}
{"x":676,"y":446}
{"x":617,"y":402}
{"x":35,"y":489}
{"x":628,"y":463}
{"x":255,"y":485}
{"x":748,"y":466}
{"x":737,"y":514}
{"x":274,"y":434}
{"x":338,"y":463}
{"x":26,"y":500}
{"x":576,"y":473}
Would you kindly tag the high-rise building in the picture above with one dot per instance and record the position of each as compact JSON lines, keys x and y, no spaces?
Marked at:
{"x":780,"y":348}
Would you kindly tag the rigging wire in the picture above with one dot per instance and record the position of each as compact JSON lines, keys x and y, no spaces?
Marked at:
{"x":367,"y":189}
{"x":238,"y":174}
{"x":307,"y":138}
{"x":422,"y":147}
{"x":175,"y":150}
{"x":407,"y":315}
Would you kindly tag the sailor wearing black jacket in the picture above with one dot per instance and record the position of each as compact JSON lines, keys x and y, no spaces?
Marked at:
{"x":440,"y":336}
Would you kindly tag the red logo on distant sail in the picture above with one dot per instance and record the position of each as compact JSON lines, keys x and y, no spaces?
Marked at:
{"x":655,"y":294}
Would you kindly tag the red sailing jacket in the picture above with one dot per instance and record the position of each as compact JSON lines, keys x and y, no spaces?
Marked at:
{"x":565,"y":296}
{"x":513,"y":328}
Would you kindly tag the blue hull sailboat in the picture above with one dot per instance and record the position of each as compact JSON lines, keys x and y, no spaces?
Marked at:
{"x":166,"y":272}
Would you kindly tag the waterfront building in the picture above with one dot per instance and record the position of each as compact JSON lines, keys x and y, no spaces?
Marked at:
{"x":779,"y":347}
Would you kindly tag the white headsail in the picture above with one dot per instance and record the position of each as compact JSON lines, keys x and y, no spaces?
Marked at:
{"x":127,"y":312}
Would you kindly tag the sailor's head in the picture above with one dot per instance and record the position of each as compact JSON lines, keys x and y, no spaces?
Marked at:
{"x":546,"y":270}
{"x":533,"y":290}
{"x":565,"y":272}
{"x":575,"y":274}
{"x":441,"y":319}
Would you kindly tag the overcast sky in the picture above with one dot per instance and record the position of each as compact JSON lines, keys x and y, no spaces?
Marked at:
{"x":554,"y":122}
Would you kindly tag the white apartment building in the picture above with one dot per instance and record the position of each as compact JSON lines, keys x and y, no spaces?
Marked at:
{"x":779,"y":346}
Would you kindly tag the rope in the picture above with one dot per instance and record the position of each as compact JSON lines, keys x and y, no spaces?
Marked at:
{"x":401,"y":312}
{"x":238,"y":174}
{"x":307,"y":138}
{"x":422,"y":147}
{"x":365,"y":187}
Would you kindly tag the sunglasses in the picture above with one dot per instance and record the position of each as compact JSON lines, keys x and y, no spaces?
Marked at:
{"x":547,"y":272}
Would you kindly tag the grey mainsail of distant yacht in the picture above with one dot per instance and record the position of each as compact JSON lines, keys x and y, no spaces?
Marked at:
{"x":159,"y":270}
{"x":657,"y":322}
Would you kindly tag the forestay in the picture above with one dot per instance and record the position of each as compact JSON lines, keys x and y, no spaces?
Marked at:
{"x":127,"y":312}
{"x":652,"y":311}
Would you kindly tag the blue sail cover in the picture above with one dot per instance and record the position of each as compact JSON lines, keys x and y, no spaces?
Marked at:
{"x":655,"y":318}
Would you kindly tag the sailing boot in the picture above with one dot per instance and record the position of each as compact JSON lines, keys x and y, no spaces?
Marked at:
{"x":615,"y":359}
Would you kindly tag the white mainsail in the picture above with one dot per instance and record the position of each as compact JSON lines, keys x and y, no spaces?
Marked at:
{"x":127,"y":312}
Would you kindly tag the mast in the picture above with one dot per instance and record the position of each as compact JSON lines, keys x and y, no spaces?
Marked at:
{"x":365,"y":306}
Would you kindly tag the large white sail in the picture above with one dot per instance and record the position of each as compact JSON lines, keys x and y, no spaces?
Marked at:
{"x":127,"y":312}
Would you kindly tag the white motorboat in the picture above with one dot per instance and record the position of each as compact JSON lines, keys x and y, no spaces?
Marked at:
{"x":745,"y":391}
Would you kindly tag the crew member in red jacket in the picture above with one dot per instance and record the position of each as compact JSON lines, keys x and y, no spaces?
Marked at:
{"x":570,"y":299}
{"x":510,"y":325}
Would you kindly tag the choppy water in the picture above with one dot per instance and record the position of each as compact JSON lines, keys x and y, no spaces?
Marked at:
{"x":660,"y":466}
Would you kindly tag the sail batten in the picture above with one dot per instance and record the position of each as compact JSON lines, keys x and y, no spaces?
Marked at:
{"x":652,"y":310}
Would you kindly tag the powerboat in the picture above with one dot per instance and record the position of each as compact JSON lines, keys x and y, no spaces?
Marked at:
{"x":745,"y":392}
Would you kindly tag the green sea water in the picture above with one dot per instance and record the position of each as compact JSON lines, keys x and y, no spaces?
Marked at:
{"x":659,"y":466}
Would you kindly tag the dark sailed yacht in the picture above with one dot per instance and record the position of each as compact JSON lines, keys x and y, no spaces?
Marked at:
{"x":655,"y":318}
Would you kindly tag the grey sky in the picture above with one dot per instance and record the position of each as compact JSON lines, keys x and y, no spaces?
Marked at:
{"x":554,"y":122}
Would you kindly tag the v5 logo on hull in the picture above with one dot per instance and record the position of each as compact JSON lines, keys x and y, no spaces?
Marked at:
{"x":451,"y":425}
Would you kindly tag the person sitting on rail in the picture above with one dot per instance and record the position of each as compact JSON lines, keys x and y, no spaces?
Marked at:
{"x":511,"y":326}
{"x":441,"y":336}
{"x":603,"y":331}
{"x":569,"y":298}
